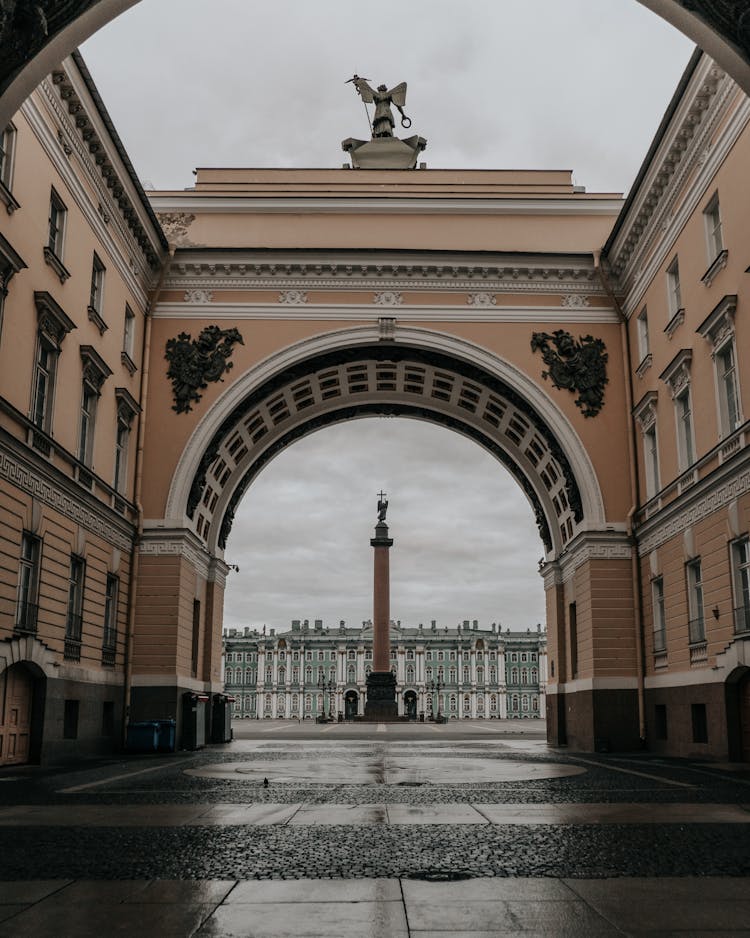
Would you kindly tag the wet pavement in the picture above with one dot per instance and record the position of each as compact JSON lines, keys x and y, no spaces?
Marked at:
{"x":378,"y":830}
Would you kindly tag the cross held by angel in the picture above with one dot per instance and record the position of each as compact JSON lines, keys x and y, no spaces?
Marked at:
{"x":382,"y":97}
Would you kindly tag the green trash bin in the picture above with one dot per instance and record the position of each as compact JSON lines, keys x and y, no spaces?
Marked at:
{"x":143,"y":736}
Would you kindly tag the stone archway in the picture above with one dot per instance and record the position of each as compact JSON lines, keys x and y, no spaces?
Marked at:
{"x":414,"y":372}
{"x":35,"y":37}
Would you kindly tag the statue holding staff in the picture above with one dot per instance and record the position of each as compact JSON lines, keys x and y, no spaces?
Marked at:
{"x":382,"y":506}
{"x":383,"y":122}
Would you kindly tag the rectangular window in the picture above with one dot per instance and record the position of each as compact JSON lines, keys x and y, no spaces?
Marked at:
{"x":70,"y":719}
{"x":712,"y":216}
{"x":673,"y":288}
{"x":741,"y":584}
{"x":660,"y":625}
{"x":74,"y":619}
{"x":56,"y":233}
{"x":195,"y":644}
{"x":729,"y":404}
{"x":651,"y":458}
{"x":573,"y":627}
{"x":685,"y":442}
{"x":97,"y":285}
{"x":700,"y":723}
{"x":121,"y":456}
{"x":660,"y":721}
{"x":7,"y":153}
{"x":28,"y":584}
{"x":128,"y":335}
{"x":696,"y":623}
{"x":643,"y":343}
{"x":88,"y":418}
{"x":109,"y":639}
{"x":44,"y":384}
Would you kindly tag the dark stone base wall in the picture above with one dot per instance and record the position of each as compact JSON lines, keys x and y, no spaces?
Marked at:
{"x":591,"y":721}
{"x":98,"y":732}
{"x":679,"y":740}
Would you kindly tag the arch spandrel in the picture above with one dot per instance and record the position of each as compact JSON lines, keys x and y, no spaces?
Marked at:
{"x":422,"y":374}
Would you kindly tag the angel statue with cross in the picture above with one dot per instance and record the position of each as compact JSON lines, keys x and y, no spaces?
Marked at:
{"x":383,"y":122}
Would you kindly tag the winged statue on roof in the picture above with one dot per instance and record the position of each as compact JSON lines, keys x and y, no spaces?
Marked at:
{"x":383,"y":97}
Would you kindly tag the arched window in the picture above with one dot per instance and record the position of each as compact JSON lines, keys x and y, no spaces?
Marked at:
{"x":524,"y":676}
{"x":480,"y":704}
{"x":453,"y":702}
{"x":282,"y":675}
{"x":492,"y":656}
{"x":514,"y":676}
{"x":410,"y":655}
{"x":320,"y":656}
{"x":429,"y":656}
{"x":453,"y":675}
{"x":351,"y":674}
{"x":229,"y":676}
{"x":428,"y":674}
{"x":308,"y":703}
{"x":466,"y":656}
{"x":480,"y":675}
{"x":269,"y":675}
{"x":493,"y":702}
{"x":525,"y":702}
{"x":308,"y":656}
{"x":480,"y":657}
{"x":282,"y":656}
{"x":295,"y":675}
{"x":308,"y":675}
{"x":280,"y":704}
{"x":523,"y":656}
{"x":268,"y":702}
{"x":534,"y":676}
{"x":467,"y":703}
{"x":410,"y":673}
{"x":295,"y":656}
{"x":368,"y":670}
{"x":295,"y":703}
{"x":393,"y":654}
{"x":453,"y":656}
{"x":466,"y":675}
{"x":248,"y":676}
{"x":440,"y":656}
{"x":332,"y":674}
{"x":352,"y":655}
{"x":535,"y":703}
{"x":493,"y":675}
{"x":441,"y":674}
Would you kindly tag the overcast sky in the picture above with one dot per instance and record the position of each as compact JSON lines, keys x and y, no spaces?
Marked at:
{"x":579,"y":84}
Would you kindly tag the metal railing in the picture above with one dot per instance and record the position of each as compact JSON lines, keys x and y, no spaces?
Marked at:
{"x":109,"y":654}
{"x":73,"y":630}
{"x":26,"y":617}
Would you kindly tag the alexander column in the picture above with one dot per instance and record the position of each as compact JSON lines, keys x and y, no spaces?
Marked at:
{"x":381,"y":683}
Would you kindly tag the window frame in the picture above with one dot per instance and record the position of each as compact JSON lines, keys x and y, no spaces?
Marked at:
{"x":658,"y":615}
{"x":27,"y":594}
{"x":109,"y":622}
{"x":8,"y":139}
{"x":740,"y":566}
{"x":74,"y":608}
{"x":56,"y":225}
{"x":713,"y":224}
{"x":674,"y":289}
{"x":696,"y":601}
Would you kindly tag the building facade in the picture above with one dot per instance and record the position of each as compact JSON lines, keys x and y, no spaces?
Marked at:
{"x":597,"y":347}
{"x":316,"y":672}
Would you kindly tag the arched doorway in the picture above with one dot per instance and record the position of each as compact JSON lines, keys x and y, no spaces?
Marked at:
{"x":16,"y":714}
{"x":410,"y":705}
{"x":351,"y":704}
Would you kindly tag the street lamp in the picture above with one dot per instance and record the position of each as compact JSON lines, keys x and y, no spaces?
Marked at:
{"x":435,"y":687}
{"x":326,"y":687}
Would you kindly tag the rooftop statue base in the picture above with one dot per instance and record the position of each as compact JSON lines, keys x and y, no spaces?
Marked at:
{"x":381,"y":697}
{"x":384,"y":152}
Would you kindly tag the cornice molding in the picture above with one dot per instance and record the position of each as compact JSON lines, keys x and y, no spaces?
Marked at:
{"x":176,"y":542}
{"x":639,"y":273}
{"x":700,"y":500}
{"x":63,"y":496}
{"x":593,"y":545}
{"x":194,"y":203}
{"x":92,"y":215}
{"x":418,"y":312}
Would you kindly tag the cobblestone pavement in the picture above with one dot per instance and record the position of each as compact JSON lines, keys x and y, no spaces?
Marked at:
{"x":332,"y":811}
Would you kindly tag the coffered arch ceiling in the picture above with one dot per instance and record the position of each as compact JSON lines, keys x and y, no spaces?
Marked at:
{"x":36,"y":36}
{"x":423,"y":376}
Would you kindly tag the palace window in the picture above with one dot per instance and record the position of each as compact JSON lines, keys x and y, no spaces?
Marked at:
{"x":534,"y":676}
{"x":249,"y":676}
{"x":523,"y":656}
{"x":96,"y":293}
{"x":351,"y":675}
{"x":714,"y":237}
{"x":660,"y":626}
{"x":410,"y":655}
{"x":308,"y":675}
{"x":441,"y":675}
{"x":74,"y":617}
{"x":524,"y":702}
{"x":493,"y":703}
{"x":128,"y":336}
{"x":741,"y":584}
{"x":685,"y":443}
{"x":440,"y":656}
{"x":308,"y":703}
{"x":643,"y":339}
{"x":674,"y":292}
{"x":321,"y":655}
{"x":428,"y":674}
{"x":480,"y":704}
{"x":269,"y":675}
{"x":410,"y":674}
{"x":452,"y":674}
{"x":282,"y":676}
{"x":535,"y":703}
{"x":514,"y":676}
{"x":453,"y":656}
{"x":88,"y":416}
{"x":493,"y":675}
{"x":514,"y":702}
{"x":524,"y":676}
{"x":44,"y":383}
{"x":56,"y":229}
{"x":28,"y":583}
{"x":718,"y":329}
{"x":465,"y":675}
{"x":696,"y":623}
{"x":480,"y":675}
{"x":109,"y":638}
{"x":453,"y":703}
{"x":651,"y":458}
{"x":729,"y":404}
{"x":229,"y":676}
{"x":467,"y":703}
{"x":7,"y":154}
{"x":352,"y":656}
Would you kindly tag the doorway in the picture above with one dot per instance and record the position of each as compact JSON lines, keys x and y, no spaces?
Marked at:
{"x":16,"y":699}
{"x":410,"y":705}
{"x":351,"y":704}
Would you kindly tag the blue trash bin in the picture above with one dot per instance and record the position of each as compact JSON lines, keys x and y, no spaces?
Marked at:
{"x":143,"y":736}
{"x":166,"y":734}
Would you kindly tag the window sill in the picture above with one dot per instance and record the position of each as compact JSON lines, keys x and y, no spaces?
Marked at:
{"x":11,"y":204}
{"x":95,"y":317}
{"x":56,"y":264}
{"x":644,"y":365}
{"x":719,"y":263}
{"x":675,"y":322}
{"x":128,"y":362}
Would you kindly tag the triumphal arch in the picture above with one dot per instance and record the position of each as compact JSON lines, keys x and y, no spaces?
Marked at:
{"x":471,"y":299}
